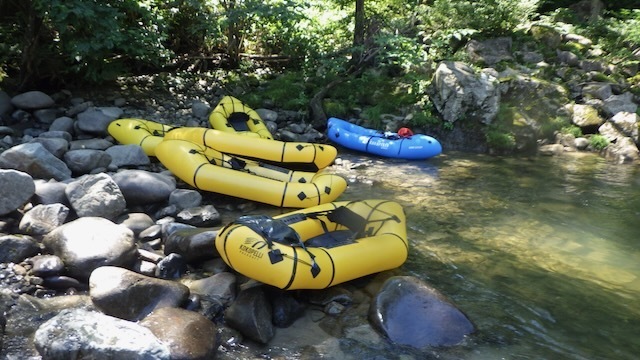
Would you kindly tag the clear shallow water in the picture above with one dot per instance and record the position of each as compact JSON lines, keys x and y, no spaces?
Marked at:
{"x":542,"y":253}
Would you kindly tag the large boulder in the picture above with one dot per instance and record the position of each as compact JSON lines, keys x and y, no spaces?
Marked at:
{"x":188,"y":334}
{"x":410,"y":312}
{"x":84,"y":334}
{"x":96,"y":196}
{"x":91,"y":242}
{"x":458,"y":92}
{"x":35,"y":160}
{"x":131,"y":296}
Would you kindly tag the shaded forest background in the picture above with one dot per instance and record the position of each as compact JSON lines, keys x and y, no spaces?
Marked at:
{"x":302,"y":49}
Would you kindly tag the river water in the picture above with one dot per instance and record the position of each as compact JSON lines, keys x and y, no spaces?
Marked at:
{"x":541,"y":253}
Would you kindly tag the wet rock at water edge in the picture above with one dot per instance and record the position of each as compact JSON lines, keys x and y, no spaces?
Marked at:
{"x":221,"y":286}
{"x":251,"y":314}
{"x":285,"y":308}
{"x":128,"y":295}
{"x":188,"y":334}
{"x":409,"y":312}
{"x":79,"y":333}
{"x":87,"y":243}
{"x":194,"y":244}
{"x":173,"y":266}
{"x":15,"y":248}
{"x":46,"y":265}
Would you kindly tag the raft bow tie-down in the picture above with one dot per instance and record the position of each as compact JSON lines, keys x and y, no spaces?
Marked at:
{"x":317,"y":247}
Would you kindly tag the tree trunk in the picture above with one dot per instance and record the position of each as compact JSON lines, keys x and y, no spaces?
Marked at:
{"x":358,"y":34}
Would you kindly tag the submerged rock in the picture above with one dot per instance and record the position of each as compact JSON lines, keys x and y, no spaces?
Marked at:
{"x":410,"y":312}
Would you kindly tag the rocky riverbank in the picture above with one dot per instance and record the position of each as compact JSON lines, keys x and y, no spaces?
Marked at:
{"x":104,"y":254}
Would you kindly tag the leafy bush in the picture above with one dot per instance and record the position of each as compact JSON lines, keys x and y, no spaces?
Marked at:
{"x":572,"y":130}
{"x":448,"y":25}
{"x":499,"y":140}
{"x":598,"y":142}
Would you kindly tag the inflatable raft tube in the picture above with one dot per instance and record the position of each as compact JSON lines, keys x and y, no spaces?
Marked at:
{"x":317,"y":247}
{"x":232,"y":115}
{"x":206,"y":169}
{"x":148,"y":134}
{"x":354,"y":137}
{"x":294,"y":155}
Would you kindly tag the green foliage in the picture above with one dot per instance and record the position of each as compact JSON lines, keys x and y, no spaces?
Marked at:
{"x":572,"y":130}
{"x":448,"y":25}
{"x":598,"y":142}
{"x":500,"y":140}
{"x":286,"y":91}
{"x":98,"y":40}
{"x":549,"y":127}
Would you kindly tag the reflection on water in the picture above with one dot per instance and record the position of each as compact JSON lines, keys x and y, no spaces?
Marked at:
{"x":542,"y":253}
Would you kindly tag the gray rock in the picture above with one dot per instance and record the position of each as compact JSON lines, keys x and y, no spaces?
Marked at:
{"x":185,"y":198}
{"x":50,"y":192}
{"x":586,"y":116}
{"x":194,"y":244}
{"x":627,"y":123}
{"x":623,"y":151}
{"x":96,"y":195}
{"x":200,"y":110}
{"x":84,"y":334}
{"x":141,"y":187}
{"x":78,"y":108}
{"x":42,"y":219}
{"x":32,"y":100}
{"x":597,"y":90}
{"x":46,"y":116}
{"x":172,"y":266}
{"x":457,"y":91}
{"x":94,"y":144}
{"x":409,"y":312}
{"x":201,"y":216}
{"x":36,"y":161}
{"x":57,"y":146}
{"x":267,"y":114}
{"x":57,"y":134}
{"x":567,"y":57}
{"x":17,"y":188}
{"x":46,"y":265}
{"x":620,"y":103}
{"x":63,"y":123}
{"x":251,"y":314}
{"x":96,"y":120}
{"x":15,"y":248}
{"x":128,"y":295}
{"x":84,"y":161}
{"x":5,"y":103}
{"x":90,"y":242}
{"x":127,"y":155}
{"x":136,"y":222}
{"x":221,"y":286}
{"x":490,"y":51}
{"x":189,"y":335}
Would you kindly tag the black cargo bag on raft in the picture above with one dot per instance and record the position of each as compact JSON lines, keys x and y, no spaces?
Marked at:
{"x":278,"y":230}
